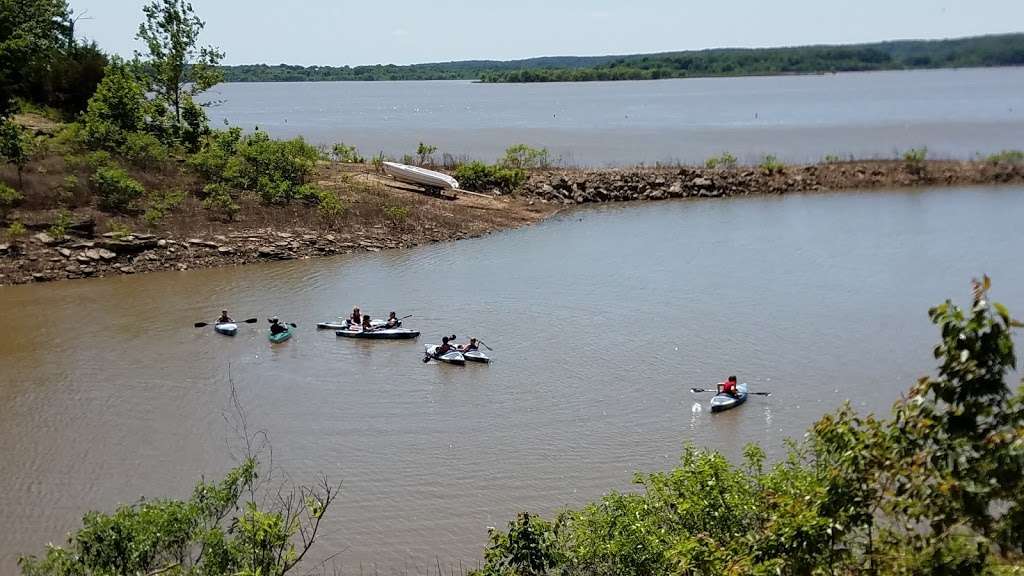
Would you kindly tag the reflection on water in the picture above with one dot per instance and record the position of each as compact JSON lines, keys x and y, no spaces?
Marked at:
{"x":600,"y":325}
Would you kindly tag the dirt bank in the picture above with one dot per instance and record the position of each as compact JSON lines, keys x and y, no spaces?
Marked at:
{"x":377,"y":217}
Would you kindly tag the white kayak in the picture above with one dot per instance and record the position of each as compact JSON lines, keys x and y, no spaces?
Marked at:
{"x":380,"y":334}
{"x":421,"y":176}
{"x":725,"y":401}
{"x":452,"y":357}
{"x":226,"y":328}
{"x":476,"y":356}
{"x":346,"y":324}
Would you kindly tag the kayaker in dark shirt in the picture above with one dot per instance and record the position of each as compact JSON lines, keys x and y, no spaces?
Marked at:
{"x":393,"y":321}
{"x":276,"y":327}
{"x":224,"y":318}
{"x":367,"y":326}
{"x":470,"y":346}
{"x":356,"y":317}
{"x":444,"y":348}
{"x":728,"y":387}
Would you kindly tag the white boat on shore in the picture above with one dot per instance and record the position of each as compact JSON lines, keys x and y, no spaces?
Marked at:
{"x":420,"y":176}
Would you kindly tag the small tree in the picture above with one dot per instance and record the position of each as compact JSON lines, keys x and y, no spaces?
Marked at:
{"x":426,"y":153}
{"x":176,"y":67}
{"x":117,"y":109}
{"x":15,"y":146}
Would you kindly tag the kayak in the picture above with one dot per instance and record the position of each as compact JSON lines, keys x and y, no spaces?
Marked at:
{"x":280,"y":336}
{"x":227,"y":328}
{"x":346,"y":324}
{"x":381,"y":334}
{"x":723,"y":402}
{"x":452,"y":357}
{"x":476,"y":356}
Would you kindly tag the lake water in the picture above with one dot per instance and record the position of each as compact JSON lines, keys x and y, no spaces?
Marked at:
{"x":955,"y":113}
{"x":601,"y":320}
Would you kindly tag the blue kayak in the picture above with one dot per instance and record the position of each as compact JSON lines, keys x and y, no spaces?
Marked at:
{"x":722,"y":402}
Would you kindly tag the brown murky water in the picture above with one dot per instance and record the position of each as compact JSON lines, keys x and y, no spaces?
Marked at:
{"x":601,"y":320}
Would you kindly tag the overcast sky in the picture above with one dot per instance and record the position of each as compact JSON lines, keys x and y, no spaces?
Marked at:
{"x":338,"y":32}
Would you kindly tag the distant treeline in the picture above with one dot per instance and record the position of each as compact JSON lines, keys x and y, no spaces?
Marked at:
{"x":979,"y":51}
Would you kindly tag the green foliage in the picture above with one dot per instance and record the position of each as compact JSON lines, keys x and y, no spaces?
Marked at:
{"x":214,"y":533}
{"x":98,"y":159}
{"x":725,"y":160}
{"x":15,"y":145}
{"x":529,"y":548}
{"x":59,"y":228}
{"x":9,"y":199}
{"x":938,"y":488}
{"x":16,"y":230}
{"x":220,"y":201}
{"x":119,"y":229}
{"x":115,"y":189}
{"x":425,"y":152}
{"x":397,"y":213}
{"x":329,"y":205}
{"x":1006,"y":157}
{"x":117,"y":109}
{"x":32,"y":32}
{"x":914,"y":159}
{"x":143,"y":150}
{"x":832,"y":159}
{"x":523,"y":157}
{"x":159,"y":204}
{"x":176,"y":67}
{"x":378,"y":163}
{"x":480,"y":176}
{"x":771,"y":165}
{"x":345,"y":153}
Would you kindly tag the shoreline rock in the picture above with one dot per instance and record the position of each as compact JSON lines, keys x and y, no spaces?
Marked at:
{"x":43,"y":258}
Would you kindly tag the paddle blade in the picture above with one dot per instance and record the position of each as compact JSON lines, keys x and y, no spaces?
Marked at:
{"x":293,"y":324}
{"x":404,"y":317}
{"x":426,"y":359}
{"x":696,"y":390}
{"x":200,"y":324}
{"x":760,"y":393}
{"x":250,"y":321}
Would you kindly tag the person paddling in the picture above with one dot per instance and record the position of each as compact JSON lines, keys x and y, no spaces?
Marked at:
{"x":276,"y":327}
{"x":356,"y":318}
{"x":224,"y":318}
{"x":728,"y":387}
{"x":470,"y":346}
{"x":367,"y":325}
{"x":393,"y":321}
{"x":444,"y":348}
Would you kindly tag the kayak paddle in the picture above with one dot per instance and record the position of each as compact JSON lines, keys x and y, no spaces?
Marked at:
{"x":249,"y":321}
{"x":695,"y":390}
{"x":484,"y":345}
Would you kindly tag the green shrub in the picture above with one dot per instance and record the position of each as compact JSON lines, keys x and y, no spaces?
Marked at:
{"x":725,"y":160}
{"x":98,"y":159}
{"x":59,"y":228}
{"x":220,"y":201}
{"x":479,"y":176}
{"x":16,"y":230}
{"x":119,"y":230}
{"x":329,"y":205}
{"x":914,"y":159}
{"x":15,"y":145}
{"x":159,"y":204}
{"x":378,"y":163}
{"x":345,"y":153}
{"x":115,"y":189}
{"x":832,"y":159}
{"x":218,"y":148}
{"x":397,"y":213}
{"x":9,"y":199}
{"x":118,"y":108}
{"x":771,"y":165}
{"x":522,"y":157}
{"x":143,"y":150}
{"x":1006,"y":157}
{"x":425,"y":152}
{"x":274,"y":169}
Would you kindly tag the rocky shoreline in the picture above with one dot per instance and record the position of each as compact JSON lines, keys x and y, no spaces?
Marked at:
{"x":620,"y":185}
{"x":39,"y":257}
{"x":42,"y":258}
